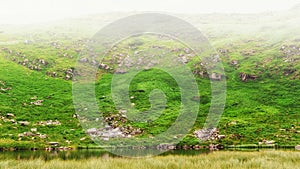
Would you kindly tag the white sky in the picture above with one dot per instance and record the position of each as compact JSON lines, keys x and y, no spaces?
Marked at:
{"x":32,"y":11}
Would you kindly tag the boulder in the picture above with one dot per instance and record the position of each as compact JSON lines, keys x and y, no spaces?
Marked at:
{"x":297,"y":147}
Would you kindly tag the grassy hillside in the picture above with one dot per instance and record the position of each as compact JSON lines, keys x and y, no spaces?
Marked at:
{"x":260,"y":57}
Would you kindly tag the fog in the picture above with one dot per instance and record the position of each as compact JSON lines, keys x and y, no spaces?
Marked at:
{"x":37,"y":11}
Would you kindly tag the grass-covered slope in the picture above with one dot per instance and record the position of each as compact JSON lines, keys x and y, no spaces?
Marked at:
{"x":262,"y":75}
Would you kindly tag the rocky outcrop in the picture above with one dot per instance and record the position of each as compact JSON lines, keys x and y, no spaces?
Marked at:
{"x":208,"y":134}
{"x":115,"y":127}
{"x":106,"y":133}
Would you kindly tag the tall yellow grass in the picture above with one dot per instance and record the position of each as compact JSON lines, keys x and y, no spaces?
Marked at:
{"x":215,"y":160}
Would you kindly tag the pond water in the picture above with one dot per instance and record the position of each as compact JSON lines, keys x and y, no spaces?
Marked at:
{"x":93,"y":153}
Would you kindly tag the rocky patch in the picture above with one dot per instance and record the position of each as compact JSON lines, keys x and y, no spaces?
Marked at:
{"x":48,"y":123}
{"x":208,"y":134}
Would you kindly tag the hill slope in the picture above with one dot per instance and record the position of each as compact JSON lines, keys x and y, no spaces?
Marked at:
{"x":260,"y":57}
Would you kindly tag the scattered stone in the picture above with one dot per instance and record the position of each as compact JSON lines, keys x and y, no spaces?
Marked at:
{"x":215,"y":76}
{"x":37,"y":103}
{"x":5,"y":89}
{"x":166,"y":146}
{"x":52,"y":143}
{"x":12,"y":121}
{"x":91,"y":131}
{"x":21,"y":135}
{"x":34,"y":98}
{"x":24,"y":123}
{"x":232,"y":123}
{"x":270,"y":142}
{"x":49,"y":123}
{"x":33,"y":129}
{"x":83,"y":60}
{"x":248,"y":52}
{"x":10,"y":115}
{"x":223,"y":51}
{"x":75,"y":116}
{"x":288,"y":72}
{"x":69,"y":73}
{"x":234,"y":62}
{"x":43,"y":136}
{"x":68,"y":141}
{"x":266,"y":142}
{"x":104,"y":66}
{"x":112,"y":131}
{"x":244,"y":77}
{"x":187,"y":51}
{"x":26,"y":134}
{"x":52,"y":74}
{"x":221,"y":136}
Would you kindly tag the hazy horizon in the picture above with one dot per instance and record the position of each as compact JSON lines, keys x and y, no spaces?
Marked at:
{"x":35,"y":11}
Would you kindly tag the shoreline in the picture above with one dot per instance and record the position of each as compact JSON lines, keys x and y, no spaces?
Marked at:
{"x":166,"y":148}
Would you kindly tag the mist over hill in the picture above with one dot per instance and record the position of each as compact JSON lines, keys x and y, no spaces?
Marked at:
{"x":260,"y":54}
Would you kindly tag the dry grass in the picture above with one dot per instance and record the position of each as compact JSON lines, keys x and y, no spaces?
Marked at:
{"x":216,"y":160}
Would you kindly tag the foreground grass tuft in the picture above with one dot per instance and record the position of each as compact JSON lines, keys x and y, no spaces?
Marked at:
{"x":216,"y":160}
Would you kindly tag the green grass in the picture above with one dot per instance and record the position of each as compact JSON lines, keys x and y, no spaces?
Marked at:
{"x":262,"y":109}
